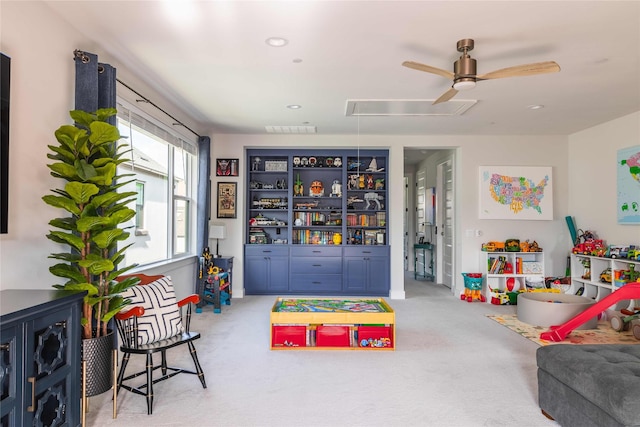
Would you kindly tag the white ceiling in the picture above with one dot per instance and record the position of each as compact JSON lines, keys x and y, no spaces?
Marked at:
{"x":210,"y":57}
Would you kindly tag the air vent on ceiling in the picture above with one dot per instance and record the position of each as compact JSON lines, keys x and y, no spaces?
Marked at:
{"x":290,"y":129}
{"x":407,"y":107}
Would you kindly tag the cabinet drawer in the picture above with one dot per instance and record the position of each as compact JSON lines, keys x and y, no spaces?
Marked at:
{"x":316,"y":282}
{"x":266,"y":250}
{"x":366,"y":251}
{"x":316,"y":265}
{"x":316,"y":251}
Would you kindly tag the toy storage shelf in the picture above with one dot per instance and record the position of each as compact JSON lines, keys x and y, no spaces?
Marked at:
{"x":301,"y":330}
{"x":592,"y":285}
{"x":329,"y":204}
{"x":525,"y":265}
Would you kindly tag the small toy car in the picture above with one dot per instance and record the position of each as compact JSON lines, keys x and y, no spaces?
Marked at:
{"x":625,"y":322}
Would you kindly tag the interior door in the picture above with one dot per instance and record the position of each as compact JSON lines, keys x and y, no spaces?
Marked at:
{"x":421,"y":177}
{"x":444,"y":214}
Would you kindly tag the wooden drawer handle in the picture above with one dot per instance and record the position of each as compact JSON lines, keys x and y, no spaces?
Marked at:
{"x":32,"y":380}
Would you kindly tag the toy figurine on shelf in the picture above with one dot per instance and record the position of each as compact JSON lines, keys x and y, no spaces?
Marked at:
{"x":373,"y":166}
{"x":369,"y":184}
{"x":316,"y":189}
{"x":336,"y":188}
{"x":298,"y":188}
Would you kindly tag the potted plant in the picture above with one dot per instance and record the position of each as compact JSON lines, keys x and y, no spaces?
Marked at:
{"x":86,"y":158}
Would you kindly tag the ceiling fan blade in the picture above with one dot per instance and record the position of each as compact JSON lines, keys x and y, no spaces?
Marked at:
{"x":446,"y":96}
{"x":522,"y":70}
{"x":429,"y":69}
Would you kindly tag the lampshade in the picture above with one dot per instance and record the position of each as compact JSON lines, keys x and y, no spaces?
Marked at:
{"x":217,"y":231}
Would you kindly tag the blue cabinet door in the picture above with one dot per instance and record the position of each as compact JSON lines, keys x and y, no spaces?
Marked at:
{"x":266,"y":269}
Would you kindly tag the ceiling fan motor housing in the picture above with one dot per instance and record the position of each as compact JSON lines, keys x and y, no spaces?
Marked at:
{"x":465,"y":71}
{"x":465,"y":67}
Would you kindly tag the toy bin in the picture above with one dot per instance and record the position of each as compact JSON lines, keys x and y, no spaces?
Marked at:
{"x":333,"y":336}
{"x":375,"y":336}
{"x":472,"y":287}
{"x":289,"y":336}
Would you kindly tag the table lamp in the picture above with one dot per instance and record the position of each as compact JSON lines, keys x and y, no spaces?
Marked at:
{"x":217,"y":231}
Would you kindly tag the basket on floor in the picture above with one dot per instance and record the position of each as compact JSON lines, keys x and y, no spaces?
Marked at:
{"x":473,"y":287}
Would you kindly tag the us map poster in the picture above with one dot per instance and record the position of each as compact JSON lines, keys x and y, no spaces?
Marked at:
{"x":516,"y":192}
{"x":628,"y":174}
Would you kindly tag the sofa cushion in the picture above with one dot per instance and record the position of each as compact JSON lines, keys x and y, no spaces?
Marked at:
{"x":606,"y":375}
{"x":161,"y":318}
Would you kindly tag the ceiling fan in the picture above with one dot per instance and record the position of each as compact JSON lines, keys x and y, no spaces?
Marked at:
{"x":464,"y":74}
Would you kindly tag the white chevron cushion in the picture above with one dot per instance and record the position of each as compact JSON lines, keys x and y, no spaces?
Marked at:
{"x":161,"y":318}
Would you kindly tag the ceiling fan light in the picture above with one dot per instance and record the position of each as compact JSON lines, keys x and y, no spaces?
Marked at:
{"x":464,"y":85}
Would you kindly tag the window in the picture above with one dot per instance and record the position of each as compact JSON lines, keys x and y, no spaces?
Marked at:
{"x":162,"y":170}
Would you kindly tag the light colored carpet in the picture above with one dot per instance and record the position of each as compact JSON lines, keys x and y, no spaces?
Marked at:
{"x":604,"y":334}
{"x":452,"y":367}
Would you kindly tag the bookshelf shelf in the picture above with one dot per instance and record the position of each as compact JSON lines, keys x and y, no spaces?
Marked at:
{"x":330,"y":200}
{"x":499,"y":267}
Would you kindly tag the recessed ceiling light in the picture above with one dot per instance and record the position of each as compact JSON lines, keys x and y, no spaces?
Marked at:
{"x":535,"y":107}
{"x":276,"y":41}
{"x":297,"y":60}
{"x":294,"y":106}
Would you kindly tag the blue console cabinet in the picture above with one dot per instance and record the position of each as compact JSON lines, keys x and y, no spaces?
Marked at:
{"x":316,"y":222}
{"x":40,"y":358}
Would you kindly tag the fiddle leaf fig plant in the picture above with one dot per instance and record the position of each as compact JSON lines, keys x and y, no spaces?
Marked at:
{"x":86,"y":159}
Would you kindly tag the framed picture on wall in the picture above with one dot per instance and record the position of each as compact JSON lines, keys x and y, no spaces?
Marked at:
{"x":227,"y":167}
{"x":227,"y":199}
{"x":516,"y":192}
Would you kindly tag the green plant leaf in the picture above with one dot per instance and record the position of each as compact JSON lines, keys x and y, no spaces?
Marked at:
{"x":101,"y":161}
{"x":68,"y":272}
{"x":107,"y":199}
{"x":81,"y":192}
{"x":68,"y":223}
{"x":78,"y":287}
{"x":116,"y":273}
{"x":84,"y":170}
{"x":82,"y":117}
{"x":66,"y":256}
{"x":68,"y":238}
{"x":122,"y":215}
{"x":66,"y":171}
{"x":104,"y":239}
{"x":104,"y":175}
{"x":68,"y":135}
{"x":115,"y":306}
{"x":62,"y":203}
{"x":103,"y":133}
{"x":90,"y":223}
{"x":63,"y":153}
{"x":96,"y":264}
{"x":103,"y":114}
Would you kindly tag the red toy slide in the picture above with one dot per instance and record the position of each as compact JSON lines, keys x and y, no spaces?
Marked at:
{"x":559,"y":333}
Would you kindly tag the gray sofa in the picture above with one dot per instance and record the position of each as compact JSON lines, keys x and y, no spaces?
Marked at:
{"x":590,"y":385}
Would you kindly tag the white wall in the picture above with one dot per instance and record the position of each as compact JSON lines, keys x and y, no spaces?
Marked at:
{"x":592,"y":178}
{"x":41,"y":47}
{"x":472,"y":151}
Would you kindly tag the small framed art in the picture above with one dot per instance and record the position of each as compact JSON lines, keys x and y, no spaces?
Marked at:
{"x":227,"y":167}
{"x":227,"y":199}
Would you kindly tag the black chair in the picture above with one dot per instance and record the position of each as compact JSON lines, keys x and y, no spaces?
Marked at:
{"x":155,"y":324}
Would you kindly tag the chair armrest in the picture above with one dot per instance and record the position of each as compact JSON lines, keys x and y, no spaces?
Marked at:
{"x":193,"y":298}
{"x":136,"y":311}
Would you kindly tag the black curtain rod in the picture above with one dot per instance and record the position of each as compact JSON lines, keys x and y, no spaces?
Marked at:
{"x":148,"y":101}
